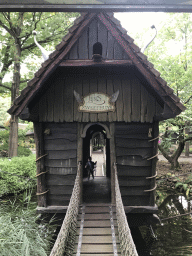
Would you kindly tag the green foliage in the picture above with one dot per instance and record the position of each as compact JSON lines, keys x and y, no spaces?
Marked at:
{"x":185,"y":186}
{"x":17,"y":174}
{"x":20,"y":233}
{"x":23,"y":149}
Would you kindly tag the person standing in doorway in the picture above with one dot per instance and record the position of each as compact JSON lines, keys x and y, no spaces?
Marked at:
{"x":90,"y":166}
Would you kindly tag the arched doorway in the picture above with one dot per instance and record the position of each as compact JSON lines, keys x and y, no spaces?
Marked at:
{"x":96,"y":143}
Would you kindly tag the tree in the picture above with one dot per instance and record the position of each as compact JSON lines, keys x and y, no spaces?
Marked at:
{"x":17,"y":48}
{"x":171,"y":52}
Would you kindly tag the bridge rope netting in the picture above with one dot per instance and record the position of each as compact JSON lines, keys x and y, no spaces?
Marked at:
{"x":64,"y":244}
{"x":126,"y":241}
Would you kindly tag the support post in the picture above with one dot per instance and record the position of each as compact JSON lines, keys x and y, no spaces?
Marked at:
{"x":41,"y":185}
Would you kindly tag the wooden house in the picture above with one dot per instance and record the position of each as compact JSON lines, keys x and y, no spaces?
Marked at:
{"x":97,"y":80}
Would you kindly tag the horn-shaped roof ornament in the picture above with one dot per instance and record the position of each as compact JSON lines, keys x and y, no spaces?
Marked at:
{"x":45,"y":53}
{"x":144,"y":48}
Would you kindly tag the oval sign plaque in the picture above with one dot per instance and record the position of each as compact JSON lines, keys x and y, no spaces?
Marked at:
{"x":97,"y":102}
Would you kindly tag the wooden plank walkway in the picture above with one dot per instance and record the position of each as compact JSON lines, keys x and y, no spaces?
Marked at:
{"x":96,"y":225}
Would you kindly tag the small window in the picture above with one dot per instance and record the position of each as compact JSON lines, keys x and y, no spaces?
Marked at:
{"x":97,"y":48}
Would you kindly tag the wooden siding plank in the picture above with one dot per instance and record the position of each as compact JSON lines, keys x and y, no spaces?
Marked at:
{"x":68,"y":100}
{"x":102,"y":38}
{"x":102,"y":117}
{"x":60,"y":144}
{"x":133,"y":181}
{"x":62,"y":170}
{"x":118,"y":51}
{"x":111,"y":115}
{"x":58,"y":99}
{"x":133,"y":161}
{"x":134,"y":191}
{"x":144,"y":97}
{"x":64,"y":154}
{"x":127,"y":99}
{"x":150,"y":108}
{"x":78,"y":89}
{"x":93,"y":88}
{"x":135,"y":200}
{"x":83,"y":45}
{"x":60,"y":190}
{"x":56,"y":163}
{"x":93,"y":30}
{"x":110,"y":46}
{"x":132,"y":129}
{"x":43,"y":108}
{"x":86,"y":116}
{"x":136,"y":100}
{"x":50,"y":103}
{"x":134,"y":171}
{"x":143,"y":152}
{"x":73,"y":54}
{"x":133,"y":143}
{"x":58,"y":200}
{"x":59,"y":180}
{"x":119,"y":103}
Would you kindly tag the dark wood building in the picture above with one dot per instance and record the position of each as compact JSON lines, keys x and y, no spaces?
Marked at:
{"x":99,"y":62}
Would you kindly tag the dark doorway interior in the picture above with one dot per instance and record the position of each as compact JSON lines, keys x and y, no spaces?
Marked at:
{"x":96,"y":145}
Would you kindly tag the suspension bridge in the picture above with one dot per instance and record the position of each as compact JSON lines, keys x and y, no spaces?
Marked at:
{"x":94,"y":228}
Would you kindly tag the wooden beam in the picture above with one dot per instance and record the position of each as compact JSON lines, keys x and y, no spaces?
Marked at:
{"x":83,"y":63}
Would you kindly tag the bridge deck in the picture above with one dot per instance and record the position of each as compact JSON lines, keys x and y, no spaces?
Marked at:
{"x":97,"y":232}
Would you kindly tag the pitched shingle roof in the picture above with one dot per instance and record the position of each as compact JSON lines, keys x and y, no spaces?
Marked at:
{"x":139,"y":60}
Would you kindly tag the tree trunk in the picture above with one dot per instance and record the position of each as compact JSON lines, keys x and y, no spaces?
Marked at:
{"x":13,"y":136}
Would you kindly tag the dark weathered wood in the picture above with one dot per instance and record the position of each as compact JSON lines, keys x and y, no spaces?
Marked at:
{"x":60,"y":190}
{"x":93,"y":88}
{"x":68,"y":100}
{"x":102,"y":38}
{"x":58,"y":200}
{"x":133,"y":161}
{"x":65,"y":154}
{"x":53,"y":179}
{"x":118,"y":51}
{"x":83,"y":46}
{"x":102,"y":117}
{"x":93,"y":30}
{"x":127,"y":100}
{"x":73,"y":55}
{"x":145,"y":153}
{"x":62,"y":170}
{"x":150,"y":108}
{"x":133,"y":143}
{"x":85,"y":92}
{"x":136,"y":100}
{"x":78,"y":89}
{"x":58,"y":91}
{"x":88,"y":63}
{"x":119,"y":103}
{"x":111,"y":115}
{"x":60,"y":144}
{"x":144,"y":100}
{"x":61,"y":162}
{"x":134,"y":171}
{"x":110,"y":46}
{"x":137,"y":200}
{"x":133,"y":181}
{"x":134,"y":191}
{"x":41,"y":186}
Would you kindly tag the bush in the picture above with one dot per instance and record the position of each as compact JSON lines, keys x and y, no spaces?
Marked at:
{"x":17,"y":174}
{"x":23,"y":150}
{"x":20,"y":234}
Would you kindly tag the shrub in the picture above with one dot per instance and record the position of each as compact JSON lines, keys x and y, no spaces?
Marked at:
{"x":20,"y":234}
{"x":17,"y":174}
{"x":23,"y":150}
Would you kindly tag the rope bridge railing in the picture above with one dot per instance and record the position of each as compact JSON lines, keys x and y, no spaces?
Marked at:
{"x":126,"y":241}
{"x":64,"y":243}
